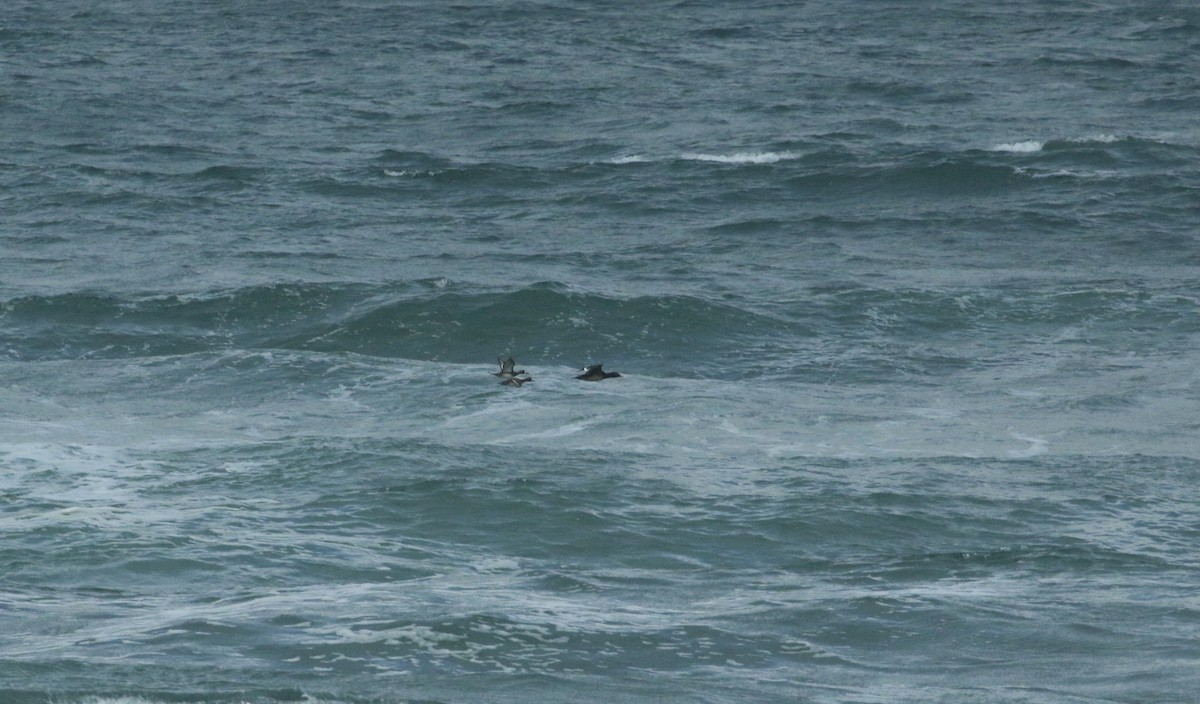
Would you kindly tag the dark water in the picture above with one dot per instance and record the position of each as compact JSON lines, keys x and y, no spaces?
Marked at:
{"x":904,"y":298}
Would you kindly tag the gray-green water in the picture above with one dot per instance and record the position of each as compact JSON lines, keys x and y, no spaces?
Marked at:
{"x":904,"y":298}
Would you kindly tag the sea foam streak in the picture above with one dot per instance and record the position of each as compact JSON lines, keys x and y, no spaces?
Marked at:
{"x":629,"y":159}
{"x":1027,"y":147}
{"x":742,"y":157}
{"x":1032,"y":146}
{"x":735,"y":158}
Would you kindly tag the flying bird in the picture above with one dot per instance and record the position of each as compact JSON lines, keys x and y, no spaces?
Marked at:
{"x":507,"y":369}
{"x":596,"y":372}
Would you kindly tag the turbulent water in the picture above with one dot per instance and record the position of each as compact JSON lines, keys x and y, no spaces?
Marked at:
{"x":904,"y":297}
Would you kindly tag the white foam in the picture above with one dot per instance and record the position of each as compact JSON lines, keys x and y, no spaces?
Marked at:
{"x":1027,"y":147}
{"x":495,"y":564}
{"x":1032,"y":146}
{"x":1100,"y":138}
{"x":1037,"y":446}
{"x":554,"y":432}
{"x":743,"y":157}
{"x":409,"y":173}
{"x":143,"y":700}
{"x":1060,"y":173}
{"x":630,"y":159}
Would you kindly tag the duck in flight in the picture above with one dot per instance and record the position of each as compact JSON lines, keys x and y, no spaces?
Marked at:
{"x":596,"y":372}
{"x":507,"y":369}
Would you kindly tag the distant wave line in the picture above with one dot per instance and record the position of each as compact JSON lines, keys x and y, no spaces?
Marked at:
{"x":1027,"y":147}
{"x":1032,"y":146}
{"x":743,"y":157}
{"x":735,"y":158}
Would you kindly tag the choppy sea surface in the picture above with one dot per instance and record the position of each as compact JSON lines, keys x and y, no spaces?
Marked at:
{"x":904,"y":297}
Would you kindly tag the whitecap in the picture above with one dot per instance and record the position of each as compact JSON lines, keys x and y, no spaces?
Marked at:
{"x":408,"y":173}
{"x":742,"y":157}
{"x":1027,"y":147}
{"x":630,"y":159}
{"x":1033,"y":146}
{"x":1097,"y":138}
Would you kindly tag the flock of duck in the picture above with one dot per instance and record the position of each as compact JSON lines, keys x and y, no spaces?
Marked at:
{"x":511,"y":376}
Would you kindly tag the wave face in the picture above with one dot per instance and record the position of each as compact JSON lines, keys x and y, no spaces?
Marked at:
{"x":905,"y":307}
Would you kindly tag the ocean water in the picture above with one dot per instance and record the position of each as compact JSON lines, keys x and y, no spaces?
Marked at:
{"x":904,"y":296}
